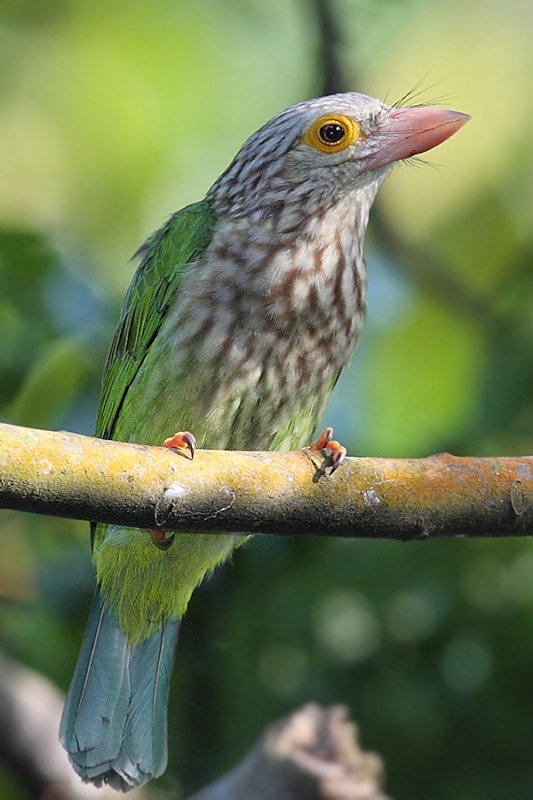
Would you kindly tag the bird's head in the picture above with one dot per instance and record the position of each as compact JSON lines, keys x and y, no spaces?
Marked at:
{"x":308,"y":157}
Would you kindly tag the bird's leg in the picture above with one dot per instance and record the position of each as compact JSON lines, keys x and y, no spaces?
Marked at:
{"x":182,"y":440}
{"x":332,"y":449}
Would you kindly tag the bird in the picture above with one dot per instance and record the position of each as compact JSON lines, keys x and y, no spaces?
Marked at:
{"x":244,"y":310}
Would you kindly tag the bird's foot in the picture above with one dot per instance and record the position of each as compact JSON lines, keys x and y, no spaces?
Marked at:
{"x":182,"y":440}
{"x":334,"y":452}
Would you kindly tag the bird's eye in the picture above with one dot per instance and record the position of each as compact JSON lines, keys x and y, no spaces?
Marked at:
{"x":330,"y":134}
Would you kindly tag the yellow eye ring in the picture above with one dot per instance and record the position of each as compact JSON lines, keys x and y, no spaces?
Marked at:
{"x":332,"y":133}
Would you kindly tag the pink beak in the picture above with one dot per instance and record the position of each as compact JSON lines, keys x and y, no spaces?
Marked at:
{"x":410,"y":131}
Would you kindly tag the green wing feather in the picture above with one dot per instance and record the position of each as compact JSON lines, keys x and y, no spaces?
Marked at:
{"x":114,"y":723}
{"x":164,"y":255}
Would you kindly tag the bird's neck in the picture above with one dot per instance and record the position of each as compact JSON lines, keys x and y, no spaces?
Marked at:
{"x":305,"y":276}
{"x":261,"y":289}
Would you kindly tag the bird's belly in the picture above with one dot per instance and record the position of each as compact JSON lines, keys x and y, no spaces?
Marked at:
{"x":258,"y":380}
{"x":253,"y":385}
{"x":262,"y":391}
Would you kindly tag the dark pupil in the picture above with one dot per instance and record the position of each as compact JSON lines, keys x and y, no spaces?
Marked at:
{"x":331,"y":134}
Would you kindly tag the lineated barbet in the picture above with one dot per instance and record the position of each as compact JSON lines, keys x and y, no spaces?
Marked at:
{"x":244,"y":310}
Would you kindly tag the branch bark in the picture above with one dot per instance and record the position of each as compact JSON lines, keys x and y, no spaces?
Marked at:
{"x":69,"y":475}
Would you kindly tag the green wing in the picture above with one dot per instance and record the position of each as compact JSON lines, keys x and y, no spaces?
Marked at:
{"x":156,"y":282}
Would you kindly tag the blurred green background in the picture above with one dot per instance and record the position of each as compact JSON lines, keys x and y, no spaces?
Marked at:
{"x":112,"y":115}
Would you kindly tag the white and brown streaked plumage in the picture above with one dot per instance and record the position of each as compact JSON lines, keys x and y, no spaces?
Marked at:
{"x":242,"y":314}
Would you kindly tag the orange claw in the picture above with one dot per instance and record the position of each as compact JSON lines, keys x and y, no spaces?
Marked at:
{"x":333,"y":450}
{"x":182,"y":440}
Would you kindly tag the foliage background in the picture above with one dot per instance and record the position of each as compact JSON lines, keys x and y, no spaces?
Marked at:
{"x":111,"y":116}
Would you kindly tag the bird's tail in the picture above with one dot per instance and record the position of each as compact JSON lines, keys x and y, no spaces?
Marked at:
{"x":114,"y":724}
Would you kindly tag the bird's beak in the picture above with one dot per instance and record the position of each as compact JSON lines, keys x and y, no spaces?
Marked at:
{"x":409,"y":131}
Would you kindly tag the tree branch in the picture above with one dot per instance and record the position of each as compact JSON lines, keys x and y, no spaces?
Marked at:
{"x":30,"y":709}
{"x":330,"y":40}
{"x":313,"y":755}
{"x":69,"y":475}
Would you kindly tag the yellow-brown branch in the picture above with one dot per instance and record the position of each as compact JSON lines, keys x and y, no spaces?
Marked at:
{"x":69,"y":475}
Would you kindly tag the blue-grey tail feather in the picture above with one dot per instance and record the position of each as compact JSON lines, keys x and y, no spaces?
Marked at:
{"x":114,"y":724}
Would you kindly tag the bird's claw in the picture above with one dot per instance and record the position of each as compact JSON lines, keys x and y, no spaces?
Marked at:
{"x":182,"y":440}
{"x":160,"y":538}
{"x":332,"y":449}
